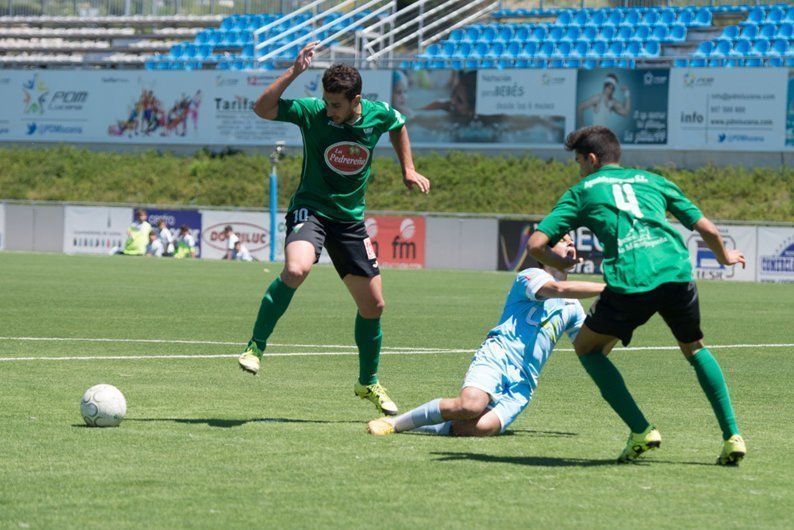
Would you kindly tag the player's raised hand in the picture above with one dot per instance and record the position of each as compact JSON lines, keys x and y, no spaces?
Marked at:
{"x":412,"y":178}
{"x":305,"y":56}
{"x":734,"y":257}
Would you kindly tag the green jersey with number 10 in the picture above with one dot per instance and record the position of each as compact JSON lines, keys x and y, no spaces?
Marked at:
{"x":336,"y":158}
{"x":625,"y":209}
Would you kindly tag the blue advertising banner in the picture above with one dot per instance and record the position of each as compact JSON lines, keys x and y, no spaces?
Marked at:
{"x":633,"y":103}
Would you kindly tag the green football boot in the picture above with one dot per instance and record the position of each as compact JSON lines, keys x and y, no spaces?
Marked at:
{"x":250,"y":359}
{"x":732,"y":451}
{"x":639,"y":444}
{"x":376,"y":394}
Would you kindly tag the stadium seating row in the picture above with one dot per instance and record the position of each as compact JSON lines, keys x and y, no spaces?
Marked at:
{"x":491,"y":33}
{"x":553,"y":12}
{"x":545,"y":50}
{"x":723,"y":49}
{"x":765,"y":31}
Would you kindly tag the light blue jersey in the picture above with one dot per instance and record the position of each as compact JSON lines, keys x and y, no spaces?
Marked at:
{"x":508,"y":364}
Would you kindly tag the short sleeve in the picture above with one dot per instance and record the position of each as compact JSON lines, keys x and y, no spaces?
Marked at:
{"x":532,"y":280}
{"x":394,"y":119}
{"x":296,"y":111}
{"x":677,"y":204}
{"x":576,"y":319}
{"x":563,"y":217}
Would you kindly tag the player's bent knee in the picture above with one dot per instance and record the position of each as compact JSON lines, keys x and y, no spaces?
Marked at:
{"x":690,"y":348}
{"x":294,"y":274}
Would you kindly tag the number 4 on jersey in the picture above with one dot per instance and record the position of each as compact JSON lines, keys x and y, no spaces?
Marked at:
{"x":626,"y":200}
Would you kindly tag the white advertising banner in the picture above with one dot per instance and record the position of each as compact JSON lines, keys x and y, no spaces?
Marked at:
{"x":775,"y":254}
{"x":253,"y":229}
{"x":705,"y":265}
{"x":537,"y":106}
{"x":94,"y":229}
{"x":196,"y":108}
{"x":2,"y":225}
{"x":728,"y":108}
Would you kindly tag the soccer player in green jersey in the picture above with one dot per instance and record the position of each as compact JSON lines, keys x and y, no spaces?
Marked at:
{"x":647,"y":270}
{"x":339,"y":133}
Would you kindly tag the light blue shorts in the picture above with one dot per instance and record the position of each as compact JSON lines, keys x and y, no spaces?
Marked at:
{"x":492,"y":371}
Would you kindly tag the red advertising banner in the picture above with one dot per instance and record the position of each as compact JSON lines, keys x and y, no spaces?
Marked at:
{"x":398,"y":241}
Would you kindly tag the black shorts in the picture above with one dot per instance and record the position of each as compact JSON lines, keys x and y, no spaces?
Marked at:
{"x":348,"y":244}
{"x":619,"y":315}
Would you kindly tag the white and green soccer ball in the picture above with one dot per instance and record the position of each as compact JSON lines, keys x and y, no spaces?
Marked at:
{"x":103,"y":406}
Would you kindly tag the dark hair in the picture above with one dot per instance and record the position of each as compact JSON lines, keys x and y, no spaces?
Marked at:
{"x":344,"y":79}
{"x":140,"y":211}
{"x":597,"y":139}
{"x":228,"y":228}
{"x":184,"y":228}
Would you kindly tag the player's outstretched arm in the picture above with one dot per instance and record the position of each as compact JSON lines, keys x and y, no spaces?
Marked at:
{"x":713,"y":239}
{"x":266,"y":105}
{"x":571,"y":289}
{"x":402,"y":146}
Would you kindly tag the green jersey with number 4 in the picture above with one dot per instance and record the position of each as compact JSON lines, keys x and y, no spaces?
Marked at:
{"x":625,"y":209}
{"x":336,"y":158}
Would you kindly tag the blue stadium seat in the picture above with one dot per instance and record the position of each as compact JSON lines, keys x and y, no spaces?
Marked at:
{"x":755,"y":16}
{"x":779,"y":47}
{"x":754,"y":62}
{"x":632,"y":49}
{"x":580,"y":50}
{"x":667,"y":17}
{"x":624,"y":34}
{"x":785,"y":31}
{"x":741,"y":47}
{"x":760,"y":48}
{"x":528,"y":50}
{"x":488,"y":64}
{"x":767,"y":31}
{"x":597,"y":19}
{"x":681,"y":63}
{"x":776,"y":62}
{"x":749,"y":31}
{"x":660,"y":33}
{"x":626,"y":63}
{"x":472,"y":34}
{"x":579,"y":19}
{"x":539,"y":34}
{"x":614,"y":51}
{"x":447,"y":49}
{"x":431,"y":51}
{"x":556,"y":63}
{"x":564,"y":19}
{"x":631,"y":18}
{"x":562,"y":50}
{"x":522,"y":33}
{"x":597,"y":50}
{"x":614,"y":19}
{"x":556,"y":33}
{"x":722,"y":49}
{"x":488,"y":34}
{"x":730,"y":33}
{"x":462,"y":50}
{"x":505,"y":34}
{"x":513,"y":49}
{"x":177,"y":50}
{"x":571,"y":34}
{"x":641,"y":34}
{"x":685,"y":17}
{"x":698,"y":63}
{"x":607,"y":63}
{"x":589,"y":33}
{"x":651,"y":18}
{"x":479,"y":50}
{"x":790,"y":15}
{"x":775,"y":16}
{"x":545,"y":50}
{"x":704,"y":49}
{"x":457,"y":35}
{"x":205,"y":51}
{"x":607,"y":34}
{"x":651,"y":49}
{"x":716,"y":63}
{"x":471,"y":64}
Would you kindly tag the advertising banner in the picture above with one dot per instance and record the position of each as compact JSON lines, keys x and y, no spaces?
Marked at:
{"x":513,"y":254}
{"x":633,"y":103}
{"x":2,"y":225}
{"x":726,"y":108}
{"x":251,"y":227}
{"x":500,"y":107}
{"x":704,"y":263}
{"x":197,"y":108}
{"x":775,"y":254}
{"x":94,"y":229}
{"x":790,"y":110}
{"x":175,"y":219}
{"x":397,"y":241}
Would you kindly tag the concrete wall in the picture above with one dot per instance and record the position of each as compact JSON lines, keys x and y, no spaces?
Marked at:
{"x":461,"y":243}
{"x":36,"y":228}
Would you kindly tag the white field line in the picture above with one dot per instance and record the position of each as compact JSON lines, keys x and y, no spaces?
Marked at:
{"x":199,"y":342}
{"x":396,"y":351}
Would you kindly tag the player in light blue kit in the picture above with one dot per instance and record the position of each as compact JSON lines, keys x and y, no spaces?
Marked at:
{"x":504,"y":372}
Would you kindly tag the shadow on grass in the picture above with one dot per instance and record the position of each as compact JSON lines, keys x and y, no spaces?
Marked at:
{"x":551,"y":461}
{"x":539,"y":434}
{"x":227,"y":423}
{"x":538,"y":461}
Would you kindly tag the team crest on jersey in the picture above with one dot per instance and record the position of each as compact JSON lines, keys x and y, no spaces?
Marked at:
{"x":347,"y":158}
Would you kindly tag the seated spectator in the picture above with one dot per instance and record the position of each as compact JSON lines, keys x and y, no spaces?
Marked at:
{"x":240,"y":253}
{"x":166,"y":238}
{"x":185,"y":244}
{"x":231,"y":240}
{"x":155,"y":246}
{"x":137,"y":236}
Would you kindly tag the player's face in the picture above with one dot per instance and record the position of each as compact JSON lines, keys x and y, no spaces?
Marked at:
{"x":588,"y":164}
{"x":338,"y":108}
{"x":565,"y":247}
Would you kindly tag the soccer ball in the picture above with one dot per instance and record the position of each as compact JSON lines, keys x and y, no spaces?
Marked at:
{"x":103,"y":406}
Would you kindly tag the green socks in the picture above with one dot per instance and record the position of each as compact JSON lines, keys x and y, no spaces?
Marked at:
{"x":368,"y":340}
{"x":713,"y":384}
{"x":613,"y":389}
{"x":275,"y":302}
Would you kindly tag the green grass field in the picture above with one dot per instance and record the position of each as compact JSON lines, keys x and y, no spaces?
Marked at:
{"x":207,"y":446}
